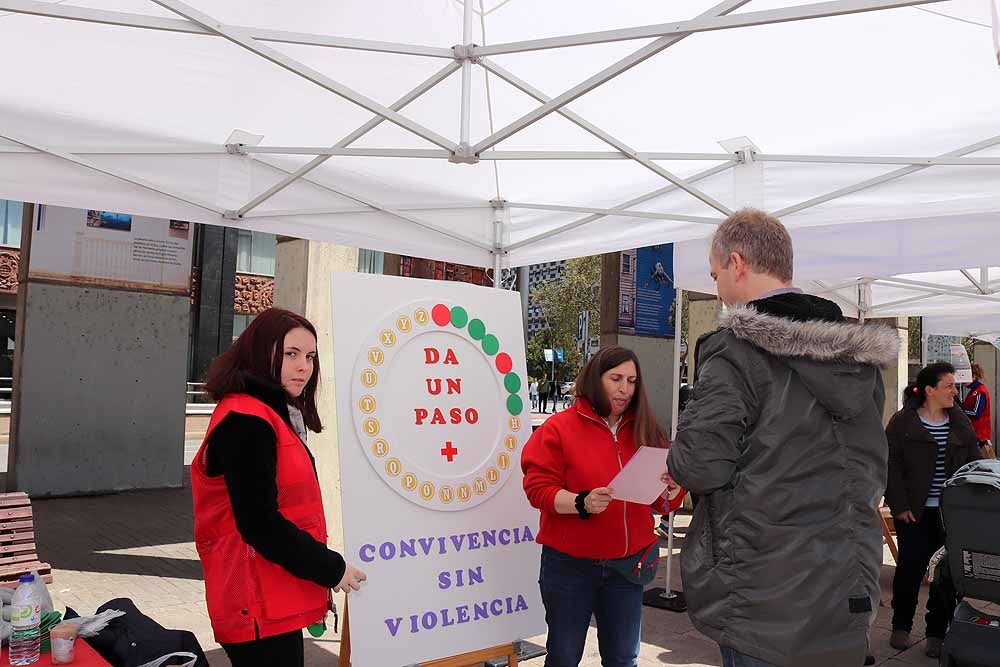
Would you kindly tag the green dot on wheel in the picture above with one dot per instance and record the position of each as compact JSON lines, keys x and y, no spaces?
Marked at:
{"x":491,"y":345}
{"x":459,"y":317}
{"x":514,"y":404}
{"x":512,"y":382}
{"x":477,"y":329}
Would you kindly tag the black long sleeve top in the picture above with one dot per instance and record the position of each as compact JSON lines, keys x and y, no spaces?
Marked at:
{"x":243,"y":449}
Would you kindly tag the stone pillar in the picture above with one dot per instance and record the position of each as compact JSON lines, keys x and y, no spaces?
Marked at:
{"x":656,"y":355}
{"x":212,"y":321}
{"x":610,"y":279}
{"x":302,"y":284}
{"x":390,"y":264}
{"x":703,"y":317}
{"x":895,"y":378}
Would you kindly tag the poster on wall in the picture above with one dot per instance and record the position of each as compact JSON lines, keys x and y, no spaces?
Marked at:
{"x":646,"y":291}
{"x":960,"y":360}
{"x":432,"y":419}
{"x":110,"y":249}
{"x":939,"y":347}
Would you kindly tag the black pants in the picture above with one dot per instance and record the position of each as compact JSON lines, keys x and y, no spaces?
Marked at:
{"x":285,"y":650}
{"x":544,"y":398}
{"x":917,"y":543}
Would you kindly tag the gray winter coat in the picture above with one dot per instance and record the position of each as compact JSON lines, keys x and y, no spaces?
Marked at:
{"x":783,"y":439}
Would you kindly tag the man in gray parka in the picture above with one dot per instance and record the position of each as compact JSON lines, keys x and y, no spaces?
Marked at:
{"x":783,"y":441}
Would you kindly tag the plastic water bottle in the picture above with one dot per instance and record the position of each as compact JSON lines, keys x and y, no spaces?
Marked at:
{"x":25,"y":616}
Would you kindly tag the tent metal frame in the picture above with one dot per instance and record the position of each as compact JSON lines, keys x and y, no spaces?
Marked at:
{"x":850,"y":293}
{"x":464,"y":57}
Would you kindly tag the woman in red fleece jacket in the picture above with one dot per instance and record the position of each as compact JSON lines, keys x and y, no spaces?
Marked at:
{"x":568,"y":463}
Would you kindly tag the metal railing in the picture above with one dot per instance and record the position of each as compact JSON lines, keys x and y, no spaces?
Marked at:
{"x":196,"y":400}
{"x":194,"y":397}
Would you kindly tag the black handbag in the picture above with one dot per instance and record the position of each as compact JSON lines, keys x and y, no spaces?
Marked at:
{"x":135,"y":639}
{"x":639,"y":568}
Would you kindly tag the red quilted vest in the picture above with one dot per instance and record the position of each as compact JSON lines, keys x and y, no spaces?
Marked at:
{"x":248,"y":596}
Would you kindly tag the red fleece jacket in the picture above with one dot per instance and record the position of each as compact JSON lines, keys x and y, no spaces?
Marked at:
{"x":576,"y":451}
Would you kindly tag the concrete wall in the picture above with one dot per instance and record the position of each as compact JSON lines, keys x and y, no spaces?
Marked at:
{"x":656,"y":357}
{"x":100,"y":405}
{"x":703,"y":317}
{"x":302,"y":284}
{"x":896,"y":377}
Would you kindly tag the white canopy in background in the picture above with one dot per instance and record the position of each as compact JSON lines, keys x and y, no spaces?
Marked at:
{"x":982,"y":326}
{"x":887,"y":270}
{"x":133,"y":105}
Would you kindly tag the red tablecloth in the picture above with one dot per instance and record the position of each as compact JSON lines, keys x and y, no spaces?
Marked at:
{"x":85,"y":657}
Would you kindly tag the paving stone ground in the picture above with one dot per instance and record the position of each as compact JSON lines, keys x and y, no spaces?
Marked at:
{"x":140,"y":545}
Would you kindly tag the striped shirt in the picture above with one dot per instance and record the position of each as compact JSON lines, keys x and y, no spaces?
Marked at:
{"x":940,"y":433}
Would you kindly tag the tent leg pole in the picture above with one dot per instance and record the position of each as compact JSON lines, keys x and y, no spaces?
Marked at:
{"x":666,"y":597}
{"x":497,"y":281}
{"x":675,"y":395}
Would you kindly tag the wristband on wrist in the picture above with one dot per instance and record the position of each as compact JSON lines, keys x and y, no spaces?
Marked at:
{"x":580,"y":507}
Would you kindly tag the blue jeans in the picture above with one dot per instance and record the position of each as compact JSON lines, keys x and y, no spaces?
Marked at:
{"x":733,"y":658}
{"x":573,"y":590}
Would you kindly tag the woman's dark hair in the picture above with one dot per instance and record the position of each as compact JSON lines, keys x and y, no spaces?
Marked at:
{"x":648,"y":430}
{"x":259,"y":351}
{"x":916,"y":393}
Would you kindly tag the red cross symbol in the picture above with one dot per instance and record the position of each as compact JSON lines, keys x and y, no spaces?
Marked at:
{"x":449,"y":451}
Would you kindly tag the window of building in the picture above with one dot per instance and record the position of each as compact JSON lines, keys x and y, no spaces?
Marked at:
{"x":240,"y":324}
{"x":256,"y":252}
{"x":626,"y":265}
{"x":11,"y":213}
{"x":371,"y":261}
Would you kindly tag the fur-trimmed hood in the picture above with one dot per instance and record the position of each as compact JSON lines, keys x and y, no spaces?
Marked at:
{"x":818,"y":340}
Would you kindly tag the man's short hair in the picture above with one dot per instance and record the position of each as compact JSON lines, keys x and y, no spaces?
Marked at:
{"x":762,"y":242}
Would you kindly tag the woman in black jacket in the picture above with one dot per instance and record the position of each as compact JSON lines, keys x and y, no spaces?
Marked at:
{"x":929,"y":439}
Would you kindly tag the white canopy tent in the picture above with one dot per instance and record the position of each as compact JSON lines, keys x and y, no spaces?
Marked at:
{"x":550,"y":130}
{"x":506,"y":132}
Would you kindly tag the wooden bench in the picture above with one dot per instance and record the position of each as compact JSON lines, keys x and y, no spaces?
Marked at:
{"x":17,"y":541}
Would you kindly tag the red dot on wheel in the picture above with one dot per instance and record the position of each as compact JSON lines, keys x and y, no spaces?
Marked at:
{"x":504,"y":363}
{"x":441,"y":314}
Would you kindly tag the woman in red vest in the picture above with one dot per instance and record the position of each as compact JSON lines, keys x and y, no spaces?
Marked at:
{"x":258,"y":511}
{"x":977,"y":406}
{"x":592,"y":544}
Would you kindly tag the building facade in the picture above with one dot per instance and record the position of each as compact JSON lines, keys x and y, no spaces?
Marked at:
{"x":538,"y":275}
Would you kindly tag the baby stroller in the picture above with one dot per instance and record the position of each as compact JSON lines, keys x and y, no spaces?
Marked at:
{"x":970,"y":507}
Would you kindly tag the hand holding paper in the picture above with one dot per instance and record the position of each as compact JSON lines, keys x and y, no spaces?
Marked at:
{"x":642,"y":479}
{"x":598,"y":500}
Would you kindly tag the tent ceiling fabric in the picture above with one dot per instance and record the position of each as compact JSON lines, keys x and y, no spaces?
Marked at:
{"x":108,"y":116}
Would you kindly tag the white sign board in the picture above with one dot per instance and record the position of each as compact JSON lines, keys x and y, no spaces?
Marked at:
{"x":432,"y":415}
{"x":109,"y":249}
